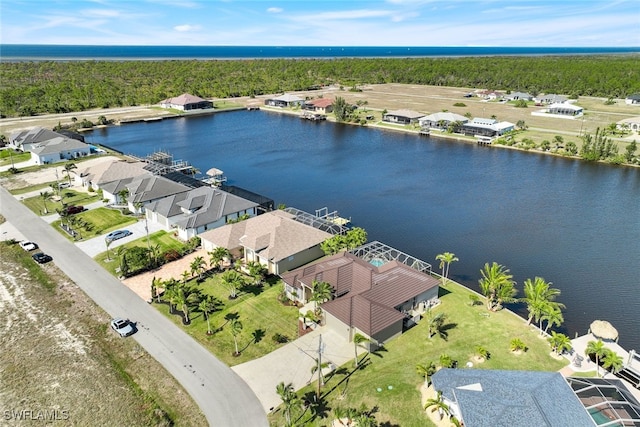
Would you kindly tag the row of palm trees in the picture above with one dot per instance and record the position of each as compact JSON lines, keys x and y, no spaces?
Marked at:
{"x":609,"y":358}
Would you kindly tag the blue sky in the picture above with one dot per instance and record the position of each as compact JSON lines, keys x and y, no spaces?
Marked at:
{"x":322,"y":23}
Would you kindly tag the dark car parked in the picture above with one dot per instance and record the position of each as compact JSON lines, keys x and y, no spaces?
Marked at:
{"x":71,"y":210}
{"x":41,"y":258}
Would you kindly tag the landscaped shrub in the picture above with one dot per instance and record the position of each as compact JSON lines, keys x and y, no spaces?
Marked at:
{"x":459,"y":104}
{"x":280,"y":338}
{"x":171,"y":255}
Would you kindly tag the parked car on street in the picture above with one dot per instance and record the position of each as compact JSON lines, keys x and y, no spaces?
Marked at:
{"x":28,"y":246}
{"x":41,"y":258}
{"x":64,"y":185}
{"x":118,"y":234}
{"x":123,"y":327}
{"x":72,"y":210}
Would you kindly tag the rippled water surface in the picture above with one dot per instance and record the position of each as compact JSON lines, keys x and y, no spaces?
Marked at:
{"x":575,"y":224}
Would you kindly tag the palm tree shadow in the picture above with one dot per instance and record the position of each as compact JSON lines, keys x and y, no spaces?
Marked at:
{"x":258,"y":335}
{"x":316,"y":406}
{"x":378,"y":352}
{"x":444,"y":330}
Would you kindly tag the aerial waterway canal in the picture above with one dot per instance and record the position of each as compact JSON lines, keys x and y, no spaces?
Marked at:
{"x":574,"y":223}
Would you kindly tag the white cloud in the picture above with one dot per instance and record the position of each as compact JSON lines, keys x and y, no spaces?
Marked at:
{"x":100,"y":13}
{"x":187,"y":28}
{"x":275,"y":10}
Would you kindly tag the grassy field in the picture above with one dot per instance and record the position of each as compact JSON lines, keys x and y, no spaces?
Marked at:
{"x":58,"y":354}
{"x":257,"y":308}
{"x":393,"y":370}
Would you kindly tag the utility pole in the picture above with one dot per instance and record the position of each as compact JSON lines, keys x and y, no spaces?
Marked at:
{"x":319,"y":366}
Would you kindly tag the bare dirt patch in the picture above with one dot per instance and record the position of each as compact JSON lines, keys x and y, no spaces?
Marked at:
{"x":59,"y":360}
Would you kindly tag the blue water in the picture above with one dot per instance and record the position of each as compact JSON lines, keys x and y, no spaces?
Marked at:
{"x":576,"y":224}
{"x":14,"y":52}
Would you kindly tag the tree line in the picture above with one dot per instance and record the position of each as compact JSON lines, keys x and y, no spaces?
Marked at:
{"x":31,"y":88}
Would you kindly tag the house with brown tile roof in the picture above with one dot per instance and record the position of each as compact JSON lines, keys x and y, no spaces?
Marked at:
{"x":274,"y":239}
{"x":108,"y":171}
{"x":186,"y":102}
{"x":378,"y":301}
{"x":320,"y":105}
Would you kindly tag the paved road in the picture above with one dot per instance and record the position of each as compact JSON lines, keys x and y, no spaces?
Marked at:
{"x":224,"y":398}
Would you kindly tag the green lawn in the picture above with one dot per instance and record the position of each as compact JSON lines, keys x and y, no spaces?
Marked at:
{"x":100,"y":220}
{"x":164,"y":240}
{"x":395,"y":366}
{"x":70,"y":197}
{"x":259,"y":311}
{"x":9,"y":156}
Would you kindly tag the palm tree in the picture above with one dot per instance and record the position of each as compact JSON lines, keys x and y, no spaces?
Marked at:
{"x":426,"y":371}
{"x":612,"y":361}
{"x":559,"y":342}
{"x":446,"y":361}
{"x":235,"y":327}
{"x":46,"y":196}
{"x":481,"y":352}
{"x":358,"y":341}
{"x":233,"y":280}
{"x":68,"y":168}
{"x":553,"y":316}
{"x":198,"y":267}
{"x":497,"y":286}
{"x":257,"y":271}
{"x":437,"y":404}
{"x":217,"y":255}
{"x":597,"y":349}
{"x":322,"y":292}
{"x":122,"y":196}
{"x":185,"y":276}
{"x":516,"y":345}
{"x":538,"y":295}
{"x":181,"y":298}
{"x":206,"y":306}
{"x":446,"y":259}
{"x":435,"y":322}
{"x":289,"y":398}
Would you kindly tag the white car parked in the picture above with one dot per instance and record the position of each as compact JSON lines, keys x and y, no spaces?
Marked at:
{"x":28,"y":246}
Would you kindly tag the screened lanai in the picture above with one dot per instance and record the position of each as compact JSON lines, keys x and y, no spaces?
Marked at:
{"x":378,"y":254}
{"x":607,"y":400}
{"x":320,"y":222}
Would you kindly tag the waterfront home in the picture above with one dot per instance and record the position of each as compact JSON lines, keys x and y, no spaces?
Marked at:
{"x":23,"y":140}
{"x":442,"y":120}
{"x":633,"y":99}
{"x":197,"y":210}
{"x":108,"y":171}
{"x":404,"y":117}
{"x":283,"y":101}
{"x":140,"y":190}
{"x":274,"y":239}
{"x":479,"y":398}
{"x":372,"y":295}
{"x":320,"y":105}
{"x":186,"y":102}
{"x":515,"y":96}
{"x":486,"y":127}
{"x":550,"y":99}
{"x":58,"y":149}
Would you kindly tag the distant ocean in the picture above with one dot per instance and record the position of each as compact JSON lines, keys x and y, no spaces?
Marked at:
{"x":22,"y":52}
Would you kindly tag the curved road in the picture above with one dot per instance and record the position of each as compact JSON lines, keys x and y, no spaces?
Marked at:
{"x":224,"y":398}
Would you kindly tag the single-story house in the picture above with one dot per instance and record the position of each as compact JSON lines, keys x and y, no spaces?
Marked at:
{"x":565,"y":109}
{"x":632,"y":124}
{"x":198,"y":210}
{"x":486,"y":127}
{"x":141,"y":190}
{"x":108,"y":171}
{"x":274,"y":239}
{"x":23,"y":140}
{"x":320,"y":105}
{"x":515,"y":96}
{"x":441,"y":120}
{"x":186,"y":102}
{"x":373,"y":298}
{"x":490,"y":95}
{"x":286,"y":100}
{"x":633,"y":99}
{"x":550,"y":99}
{"x":58,"y":149}
{"x":402,"y":116}
{"x":490,"y":398}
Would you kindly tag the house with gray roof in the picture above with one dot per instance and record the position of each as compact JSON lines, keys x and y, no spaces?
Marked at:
{"x":496,"y":398}
{"x":486,"y":127}
{"x":197,"y":210}
{"x":404,"y":117}
{"x":275,"y":239}
{"x":551,"y":98}
{"x":373,"y":298}
{"x":283,"y":101}
{"x":58,"y":149}
{"x":186,"y":102}
{"x":633,"y":99}
{"x":441,"y":120}
{"x":563,"y":111}
{"x":24,"y":139}
{"x":515,"y":96}
{"x":141,"y":190}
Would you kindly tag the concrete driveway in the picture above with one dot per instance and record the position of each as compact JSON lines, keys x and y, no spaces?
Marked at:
{"x":224,"y":398}
{"x":292,"y":363}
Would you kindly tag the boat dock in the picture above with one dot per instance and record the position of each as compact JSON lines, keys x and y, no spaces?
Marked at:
{"x":313,"y":116}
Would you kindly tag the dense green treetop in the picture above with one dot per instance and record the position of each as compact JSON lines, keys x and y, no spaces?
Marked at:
{"x":28,"y":88}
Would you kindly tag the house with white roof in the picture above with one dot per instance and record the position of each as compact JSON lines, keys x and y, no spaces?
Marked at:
{"x":283,"y":101}
{"x":486,"y":127}
{"x":404,"y":117}
{"x":550,"y":98}
{"x":515,"y":96}
{"x":563,"y":111}
{"x":186,"y":102}
{"x":441,"y":120}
